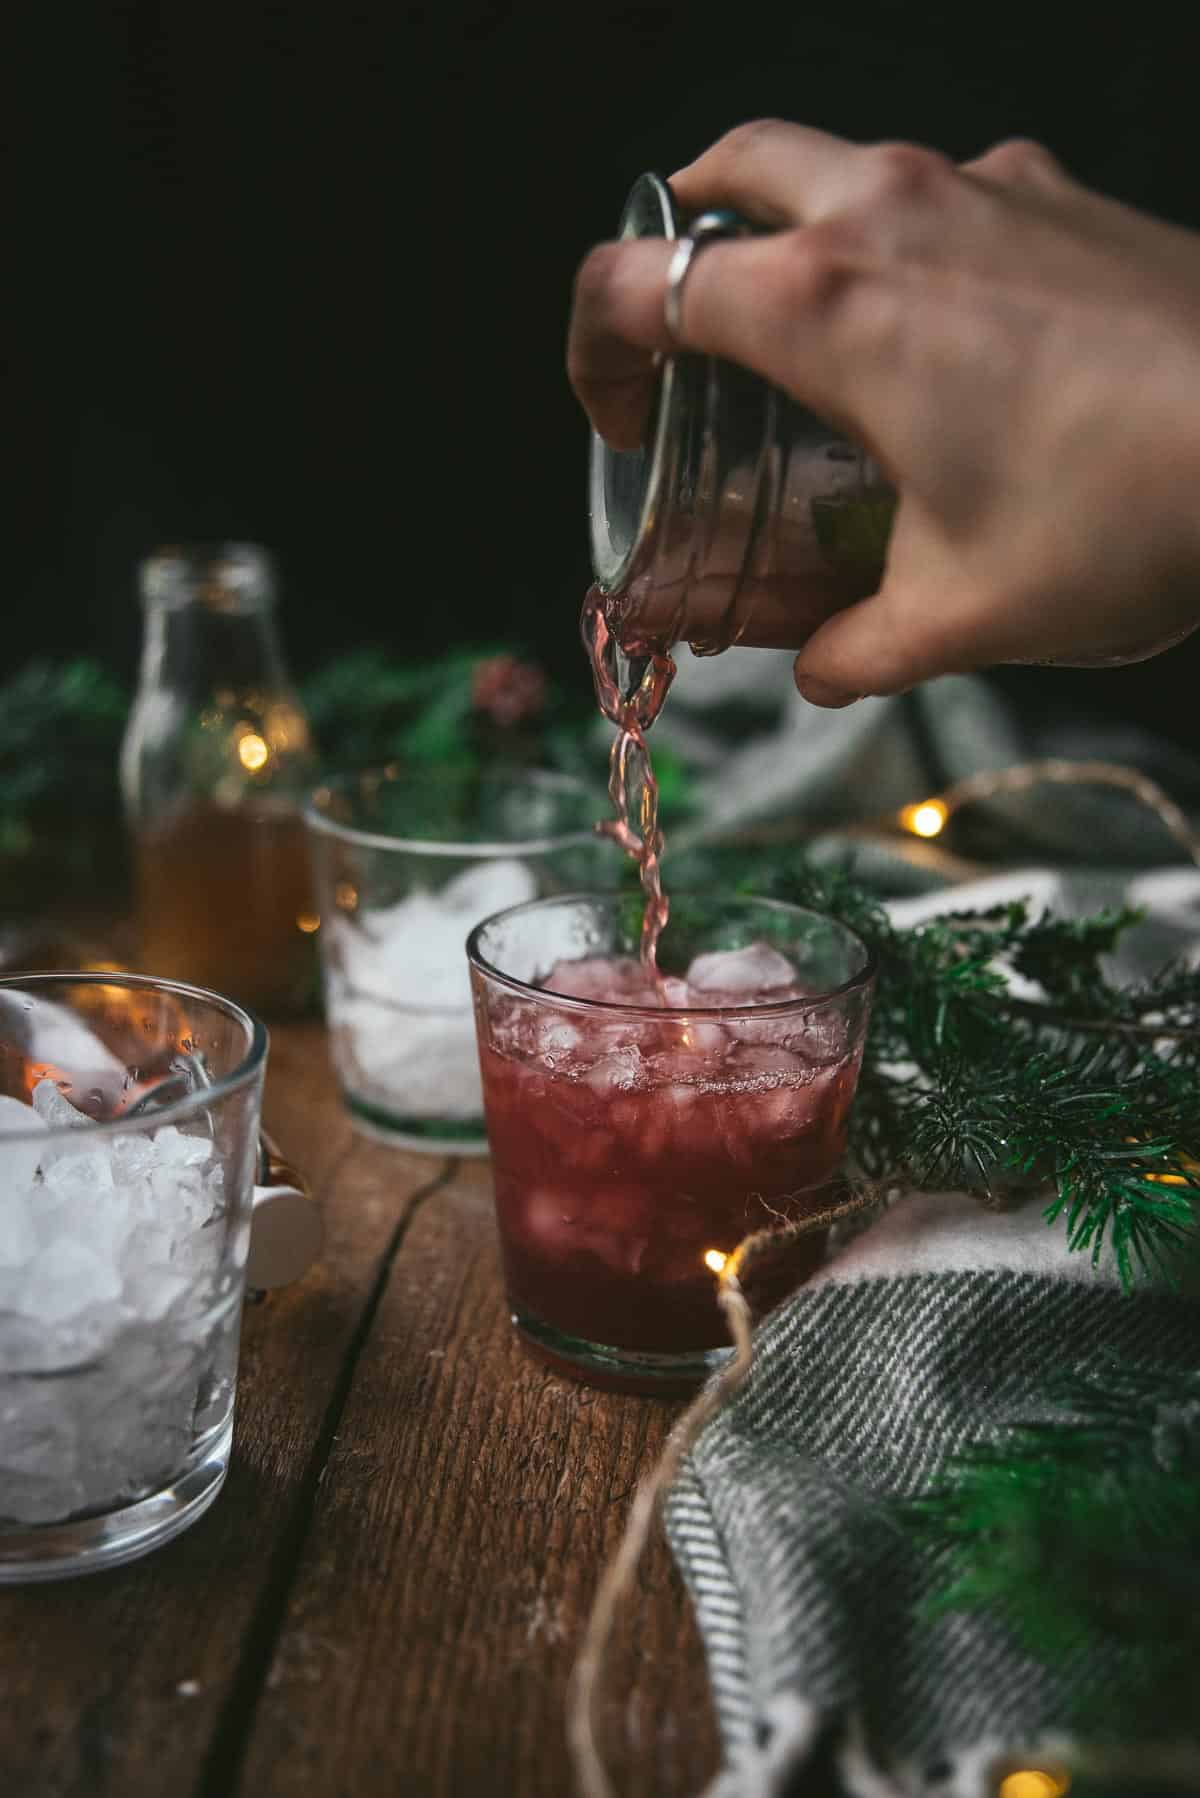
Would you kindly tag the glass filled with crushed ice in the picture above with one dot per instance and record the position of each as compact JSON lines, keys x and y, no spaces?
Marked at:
{"x":644,"y":1121}
{"x":406,"y":864}
{"x":129,"y":1112}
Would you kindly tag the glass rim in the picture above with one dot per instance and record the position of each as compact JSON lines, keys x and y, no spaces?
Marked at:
{"x":772,"y":1007}
{"x":617,"y":543}
{"x":233,"y":1082}
{"x":318,"y":821}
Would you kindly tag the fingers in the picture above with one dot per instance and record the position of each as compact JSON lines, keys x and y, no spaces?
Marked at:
{"x":817,"y":305}
{"x":882,"y":645}
{"x":617,"y":329}
{"x":774,"y":173}
{"x":775,"y":304}
{"x":1018,"y":162}
{"x":780,"y":303}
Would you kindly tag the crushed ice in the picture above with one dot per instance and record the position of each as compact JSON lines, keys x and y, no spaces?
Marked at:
{"x":98,"y":1246}
{"x":398,"y":992}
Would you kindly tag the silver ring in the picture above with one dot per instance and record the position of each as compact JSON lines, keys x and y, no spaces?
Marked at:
{"x":704,"y":230}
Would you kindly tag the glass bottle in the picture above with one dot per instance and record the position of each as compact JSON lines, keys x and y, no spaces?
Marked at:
{"x":743,"y":518}
{"x":215,"y":763}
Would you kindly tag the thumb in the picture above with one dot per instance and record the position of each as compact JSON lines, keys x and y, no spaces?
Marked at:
{"x":885,"y":644}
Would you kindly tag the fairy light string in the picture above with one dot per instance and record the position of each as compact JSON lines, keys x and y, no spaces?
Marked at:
{"x":925,"y":819}
{"x":583,"y":1692}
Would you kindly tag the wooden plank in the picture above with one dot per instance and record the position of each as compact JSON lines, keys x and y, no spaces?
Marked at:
{"x":469,"y":1501}
{"x":137,"y":1683}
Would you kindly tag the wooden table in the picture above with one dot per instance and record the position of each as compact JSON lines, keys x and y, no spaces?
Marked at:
{"x":387,"y":1596}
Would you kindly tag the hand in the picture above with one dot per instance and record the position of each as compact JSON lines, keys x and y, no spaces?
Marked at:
{"x":1019,"y":354}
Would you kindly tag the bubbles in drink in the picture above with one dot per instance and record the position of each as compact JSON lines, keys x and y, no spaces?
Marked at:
{"x":634,"y":1142}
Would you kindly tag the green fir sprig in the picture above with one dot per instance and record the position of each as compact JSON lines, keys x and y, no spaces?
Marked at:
{"x":1088,"y":1089}
{"x":1079,"y":1529}
{"x":60,"y":732}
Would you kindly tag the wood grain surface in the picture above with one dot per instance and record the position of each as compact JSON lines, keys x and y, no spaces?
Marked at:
{"x":387,"y":1596}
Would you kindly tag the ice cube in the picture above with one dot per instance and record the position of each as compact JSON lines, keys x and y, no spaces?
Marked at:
{"x":147,"y":1245}
{"x":706,"y":1043}
{"x":198,"y":1255}
{"x":18,"y":1237}
{"x":99,"y":1218}
{"x":179,"y":1200}
{"x":39,"y":1474}
{"x":413,"y":953}
{"x":676,"y":1064}
{"x":151,"y":1291}
{"x":173,"y":1149}
{"x":758,"y":1066}
{"x":139,"y":1430}
{"x":65,"y":1279}
{"x":551,"y":1219}
{"x":771,"y":1103}
{"x":733,"y":976}
{"x":416,"y":1063}
{"x":729,"y":1115}
{"x":71,"y":1176}
{"x":489,"y":887}
{"x":18,"y":1160}
{"x":620,"y":1072}
{"x":131,"y":1156}
{"x":612,"y":979}
{"x":557,"y":1038}
{"x":817,"y":1037}
{"x":56,"y":1110}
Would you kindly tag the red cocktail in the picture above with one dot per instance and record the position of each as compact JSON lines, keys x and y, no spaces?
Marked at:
{"x":642,"y":1124}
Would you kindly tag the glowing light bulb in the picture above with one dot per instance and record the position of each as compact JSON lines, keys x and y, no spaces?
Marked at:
{"x":714,"y":1260}
{"x":308,"y":921}
{"x":926,"y":819}
{"x":252,"y":752}
{"x":1033,"y":1782}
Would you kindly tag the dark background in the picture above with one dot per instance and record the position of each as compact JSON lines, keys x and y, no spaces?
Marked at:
{"x":301,"y":275}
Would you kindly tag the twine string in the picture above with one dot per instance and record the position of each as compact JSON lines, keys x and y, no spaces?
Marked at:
{"x":591,"y":1775}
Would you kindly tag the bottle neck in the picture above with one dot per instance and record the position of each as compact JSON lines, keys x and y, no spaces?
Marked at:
{"x":211,"y":657}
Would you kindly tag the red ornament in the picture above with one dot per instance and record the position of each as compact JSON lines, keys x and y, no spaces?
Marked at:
{"x":509,"y":691}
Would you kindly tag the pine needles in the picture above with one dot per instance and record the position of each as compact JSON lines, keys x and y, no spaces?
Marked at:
{"x":1080,"y":1529}
{"x":1088,"y":1088}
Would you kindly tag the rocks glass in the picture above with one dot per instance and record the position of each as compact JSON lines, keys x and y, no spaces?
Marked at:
{"x":640,"y":1129}
{"x":129,"y":1111}
{"x":406,"y":865}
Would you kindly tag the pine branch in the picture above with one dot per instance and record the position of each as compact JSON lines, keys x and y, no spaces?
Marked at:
{"x":1080,"y":1529}
{"x":1094,"y":1091}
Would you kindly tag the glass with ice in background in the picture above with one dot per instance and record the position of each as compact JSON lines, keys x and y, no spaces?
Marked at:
{"x":406,"y":864}
{"x":644,"y":1120}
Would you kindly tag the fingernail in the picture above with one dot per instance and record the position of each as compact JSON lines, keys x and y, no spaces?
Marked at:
{"x":823,"y":693}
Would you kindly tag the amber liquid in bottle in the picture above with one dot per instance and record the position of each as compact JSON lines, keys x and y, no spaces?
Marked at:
{"x":216,"y":760}
{"x":225,"y":901}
